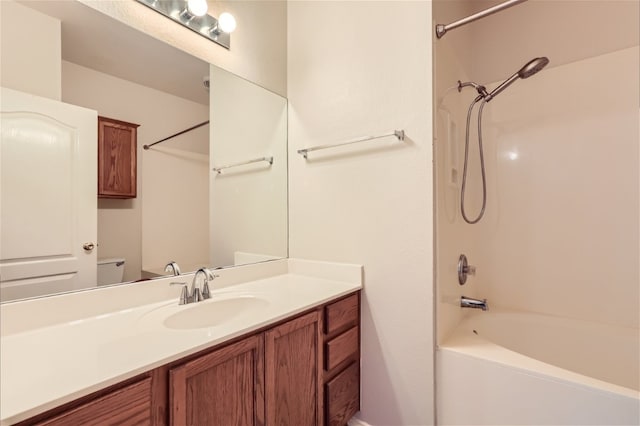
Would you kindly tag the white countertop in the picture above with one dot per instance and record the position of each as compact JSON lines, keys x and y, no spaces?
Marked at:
{"x":44,"y":366}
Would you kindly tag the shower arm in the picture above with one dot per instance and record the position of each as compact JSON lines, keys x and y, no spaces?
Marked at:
{"x":482,"y":91}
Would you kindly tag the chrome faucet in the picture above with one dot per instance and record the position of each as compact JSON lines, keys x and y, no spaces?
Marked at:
{"x":196,"y":294}
{"x":468,"y":302}
{"x":173,"y":268}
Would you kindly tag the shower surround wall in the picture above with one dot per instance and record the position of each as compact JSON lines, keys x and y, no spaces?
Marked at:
{"x":452,"y":61}
{"x":560,"y":235}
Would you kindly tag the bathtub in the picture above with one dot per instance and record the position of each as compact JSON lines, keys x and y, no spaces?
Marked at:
{"x":507,"y":368}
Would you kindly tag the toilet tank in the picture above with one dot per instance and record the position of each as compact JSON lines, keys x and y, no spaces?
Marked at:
{"x":110,"y":271}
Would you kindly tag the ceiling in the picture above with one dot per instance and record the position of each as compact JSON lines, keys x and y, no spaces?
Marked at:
{"x":99,"y":42}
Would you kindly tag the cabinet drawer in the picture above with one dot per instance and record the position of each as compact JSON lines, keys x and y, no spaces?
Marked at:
{"x":341,"y":348}
{"x":342,"y":395}
{"x":129,"y":405}
{"x":340,"y":314}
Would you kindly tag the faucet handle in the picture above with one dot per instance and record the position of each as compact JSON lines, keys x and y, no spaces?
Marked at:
{"x":184,"y":294}
{"x":196,"y":296}
{"x":464,"y":269}
{"x":206,"y":293}
{"x":210,"y":275}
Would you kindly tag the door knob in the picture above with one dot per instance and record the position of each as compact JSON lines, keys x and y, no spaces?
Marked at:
{"x":88,"y":246}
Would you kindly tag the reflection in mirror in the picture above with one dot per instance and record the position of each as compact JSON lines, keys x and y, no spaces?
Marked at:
{"x":248,"y":209}
{"x":183,"y":210}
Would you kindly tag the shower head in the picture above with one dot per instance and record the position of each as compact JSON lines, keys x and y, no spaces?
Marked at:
{"x":529,"y":69}
{"x":532,"y":67}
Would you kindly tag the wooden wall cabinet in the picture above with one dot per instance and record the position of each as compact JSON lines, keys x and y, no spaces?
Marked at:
{"x":117,"y":158}
{"x":304,"y":371}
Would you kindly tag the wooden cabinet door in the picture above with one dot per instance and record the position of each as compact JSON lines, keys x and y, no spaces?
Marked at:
{"x":292,"y":367}
{"x":117,"y":158}
{"x":130,"y":405}
{"x":224,"y":387}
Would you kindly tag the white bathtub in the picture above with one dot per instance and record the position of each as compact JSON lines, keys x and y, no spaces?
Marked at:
{"x":520,"y":368}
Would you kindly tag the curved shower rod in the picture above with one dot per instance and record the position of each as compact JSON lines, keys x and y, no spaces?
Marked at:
{"x":441,"y":29}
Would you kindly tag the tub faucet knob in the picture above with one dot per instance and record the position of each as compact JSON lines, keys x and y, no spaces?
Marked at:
{"x":464,"y":269}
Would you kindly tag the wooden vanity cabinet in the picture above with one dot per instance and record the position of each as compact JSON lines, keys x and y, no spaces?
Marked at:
{"x":304,"y":371}
{"x":130,"y":404}
{"x":117,"y":158}
{"x":293,"y":372}
{"x":224,"y":387}
{"x":341,"y":360}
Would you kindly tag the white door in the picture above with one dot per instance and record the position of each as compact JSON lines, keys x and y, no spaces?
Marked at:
{"x":48,"y":201}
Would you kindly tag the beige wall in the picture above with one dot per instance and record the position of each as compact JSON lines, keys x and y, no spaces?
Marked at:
{"x":175,"y":185}
{"x":452,"y":62}
{"x":370,"y":203}
{"x":248,"y":204}
{"x":172,"y":181}
{"x":30,"y":43}
{"x":258,"y":46}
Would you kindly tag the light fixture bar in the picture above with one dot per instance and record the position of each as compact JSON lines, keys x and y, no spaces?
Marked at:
{"x":205,"y":25}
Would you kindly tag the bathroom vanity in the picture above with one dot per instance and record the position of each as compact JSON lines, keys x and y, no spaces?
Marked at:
{"x":290,"y":356}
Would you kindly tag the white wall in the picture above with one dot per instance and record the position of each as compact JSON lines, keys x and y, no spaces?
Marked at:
{"x":248,"y":204}
{"x":258,"y":46}
{"x":31,"y":44}
{"x":172,"y":180}
{"x":370,"y":203}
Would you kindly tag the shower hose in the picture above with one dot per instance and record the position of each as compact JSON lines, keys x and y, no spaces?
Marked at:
{"x":466,"y":160}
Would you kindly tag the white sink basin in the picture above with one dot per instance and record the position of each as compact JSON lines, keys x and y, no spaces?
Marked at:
{"x":213,"y":312}
{"x":221,"y":309}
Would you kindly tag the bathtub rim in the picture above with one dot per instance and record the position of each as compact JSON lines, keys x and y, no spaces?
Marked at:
{"x":462,"y":340}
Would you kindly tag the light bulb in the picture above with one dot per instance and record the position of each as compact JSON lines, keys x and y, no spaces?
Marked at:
{"x":197,"y":7}
{"x":227,"y":22}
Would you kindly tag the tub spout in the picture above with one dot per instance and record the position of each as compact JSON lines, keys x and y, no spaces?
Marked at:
{"x":468,"y":302}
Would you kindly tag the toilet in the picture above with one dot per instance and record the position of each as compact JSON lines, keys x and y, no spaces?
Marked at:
{"x":110,"y":271}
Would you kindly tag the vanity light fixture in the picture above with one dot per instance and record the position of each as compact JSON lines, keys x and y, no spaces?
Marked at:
{"x":226,"y":24}
{"x":197,"y":7}
{"x":193,"y":15}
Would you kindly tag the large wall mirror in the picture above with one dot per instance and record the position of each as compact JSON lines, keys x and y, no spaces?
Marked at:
{"x":213,"y":196}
